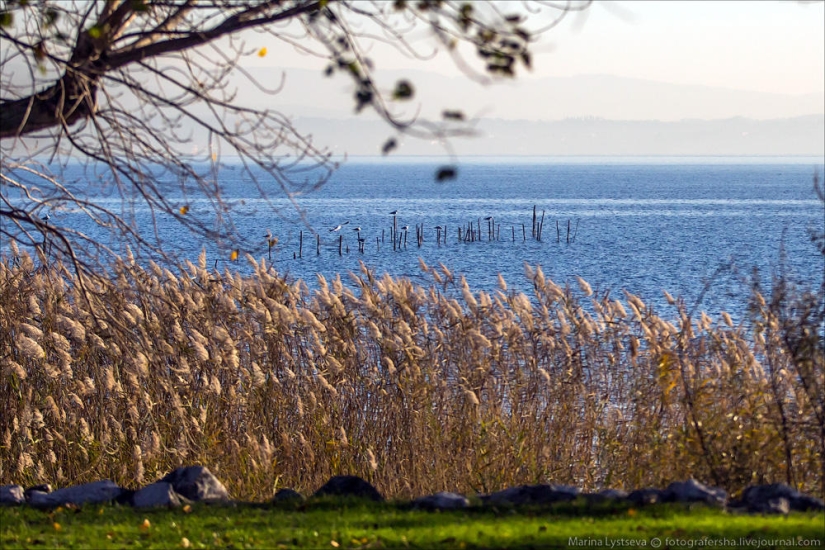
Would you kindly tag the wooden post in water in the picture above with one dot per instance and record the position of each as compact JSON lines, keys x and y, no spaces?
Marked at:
{"x":541,"y":224}
{"x":340,"y":242}
{"x":301,"y":244}
{"x":523,"y":234}
{"x":533,"y":232}
{"x":514,"y":232}
{"x":378,"y":242}
{"x":568,"y":231}
{"x":317,"y":244}
{"x":576,"y":231}
{"x":558,"y":232}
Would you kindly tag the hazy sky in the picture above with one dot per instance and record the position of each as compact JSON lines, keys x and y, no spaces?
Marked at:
{"x":768,"y":46}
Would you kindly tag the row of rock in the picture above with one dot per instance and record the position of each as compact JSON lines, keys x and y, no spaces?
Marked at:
{"x":197,"y":484}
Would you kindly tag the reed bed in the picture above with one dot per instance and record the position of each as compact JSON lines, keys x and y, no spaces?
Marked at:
{"x":415,"y":388}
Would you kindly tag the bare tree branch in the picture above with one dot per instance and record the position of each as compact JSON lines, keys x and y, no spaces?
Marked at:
{"x":124,"y":85}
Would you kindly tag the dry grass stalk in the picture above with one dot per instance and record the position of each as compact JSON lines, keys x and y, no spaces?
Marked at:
{"x":413,"y":388}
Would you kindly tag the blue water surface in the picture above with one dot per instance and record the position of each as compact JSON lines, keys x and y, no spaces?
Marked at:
{"x":647,"y":225}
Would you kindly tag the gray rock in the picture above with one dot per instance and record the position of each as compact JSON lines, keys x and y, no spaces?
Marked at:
{"x":606,"y":494}
{"x":197,"y":483}
{"x":36,"y":498}
{"x":441,"y":501}
{"x":641,"y":497}
{"x":157,"y":494}
{"x":779,"y":505}
{"x":43,"y":488}
{"x":352,"y":486}
{"x":12,"y":495}
{"x":533,"y":494}
{"x":284,"y":495}
{"x":694,"y":491}
{"x":89,"y":493}
{"x":757,"y":499}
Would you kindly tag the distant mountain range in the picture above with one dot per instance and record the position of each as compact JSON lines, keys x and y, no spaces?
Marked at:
{"x":579,"y":115}
{"x":307,"y":93}
{"x":802,"y":135}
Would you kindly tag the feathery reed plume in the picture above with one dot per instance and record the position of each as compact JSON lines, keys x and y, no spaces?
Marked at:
{"x":404,"y":384}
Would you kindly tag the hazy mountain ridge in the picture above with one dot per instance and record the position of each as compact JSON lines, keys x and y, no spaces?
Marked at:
{"x":802,"y":135}
{"x":308,"y":93}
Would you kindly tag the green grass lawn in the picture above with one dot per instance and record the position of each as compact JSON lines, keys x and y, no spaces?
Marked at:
{"x":351,"y":524}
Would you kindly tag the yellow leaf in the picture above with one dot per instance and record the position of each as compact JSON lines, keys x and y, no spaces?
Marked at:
{"x":185,"y":542}
{"x":234,"y":255}
{"x":334,"y":544}
{"x":145,"y":525}
{"x":262,"y":52}
{"x":184,"y":210}
{"x":56,"y":526}
{"x":187,"y":509}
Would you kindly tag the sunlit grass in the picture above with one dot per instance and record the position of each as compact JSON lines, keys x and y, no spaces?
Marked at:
{"x":363,"y":525}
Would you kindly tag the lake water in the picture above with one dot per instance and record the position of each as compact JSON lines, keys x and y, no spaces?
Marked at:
{"x":640,"y":224}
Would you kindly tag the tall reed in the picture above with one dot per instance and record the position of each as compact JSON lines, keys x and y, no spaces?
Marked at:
{"x":415,"y":388}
